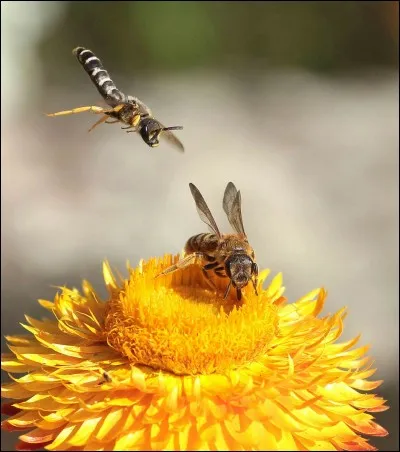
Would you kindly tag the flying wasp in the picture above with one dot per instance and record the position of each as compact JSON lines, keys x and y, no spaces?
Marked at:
{"x":123,"y":108}
{"x":227,"y":255}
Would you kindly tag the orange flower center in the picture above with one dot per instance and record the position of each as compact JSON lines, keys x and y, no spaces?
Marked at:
{"x":178,"y":324}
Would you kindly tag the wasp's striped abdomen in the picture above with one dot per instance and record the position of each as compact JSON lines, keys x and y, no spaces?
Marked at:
{"x":203,"y":243}
{"x":99,"y":76}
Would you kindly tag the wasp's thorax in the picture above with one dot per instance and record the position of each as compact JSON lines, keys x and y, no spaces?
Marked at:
{"x":127,"y":113}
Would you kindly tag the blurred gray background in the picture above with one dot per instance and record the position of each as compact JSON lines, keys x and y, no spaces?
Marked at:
{"x":297,"y":103}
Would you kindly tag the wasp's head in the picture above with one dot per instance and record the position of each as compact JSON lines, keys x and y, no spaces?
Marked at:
{"x":151,"y":129}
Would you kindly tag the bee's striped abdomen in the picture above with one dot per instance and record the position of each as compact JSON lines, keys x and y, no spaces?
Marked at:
{"x":100,"y":77}
{"x":203,"y":243}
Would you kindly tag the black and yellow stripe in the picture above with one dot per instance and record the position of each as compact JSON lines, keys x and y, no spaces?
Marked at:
{"x":99,"y":76}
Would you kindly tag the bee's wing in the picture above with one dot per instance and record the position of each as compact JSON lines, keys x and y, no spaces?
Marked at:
{"x":203,"y":210}
{"x":232,"y":205}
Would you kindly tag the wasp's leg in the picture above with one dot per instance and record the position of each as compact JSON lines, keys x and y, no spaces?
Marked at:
{"x":112,"y":122}
{"x":193,"y":258}
{"x":100,"y":121}
{"x":134,"y":123}
{"x":92,"y":109}
{"x":117,"y":108}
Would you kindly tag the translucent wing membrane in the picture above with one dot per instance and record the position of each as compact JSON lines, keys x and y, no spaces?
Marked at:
{"x":232,"y":205}
{"x":172,"y":138}
{"x":203,"y":210}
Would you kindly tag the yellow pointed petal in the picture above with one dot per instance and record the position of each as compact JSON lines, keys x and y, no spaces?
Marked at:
{"x":168,"y":364}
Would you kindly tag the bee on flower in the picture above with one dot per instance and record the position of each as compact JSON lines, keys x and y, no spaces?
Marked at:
{"x":167,"y":364}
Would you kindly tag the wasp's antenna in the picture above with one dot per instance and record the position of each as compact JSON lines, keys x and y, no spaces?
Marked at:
{"x":171,"y":128}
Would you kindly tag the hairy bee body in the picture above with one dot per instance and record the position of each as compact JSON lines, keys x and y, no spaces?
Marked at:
{"x":218,"y":249}
{"x":227,"y":255}
{"x":206,"y":243}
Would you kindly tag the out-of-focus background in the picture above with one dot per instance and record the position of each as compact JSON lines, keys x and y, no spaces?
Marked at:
{"x":296,"y":102}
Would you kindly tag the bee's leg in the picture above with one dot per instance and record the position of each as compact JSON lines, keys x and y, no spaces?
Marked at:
{"x":254,"y":270}
{"x":100,"y":121}
{"x":192,"y":258}
{"x":92,"y":109}
{"x":220,"y":271}
{"x":255,"y":283}
{"x":227,"y":290}
{"x":211,"y":266}
{"x":112,"y":122}
{"x":209,"y":281}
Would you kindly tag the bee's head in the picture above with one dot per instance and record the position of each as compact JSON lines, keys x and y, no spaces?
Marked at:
{"x":240,"y":268}
{"x":151,"y":129}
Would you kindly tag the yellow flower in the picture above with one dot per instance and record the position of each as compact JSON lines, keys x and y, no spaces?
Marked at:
{"x":167,"y":364}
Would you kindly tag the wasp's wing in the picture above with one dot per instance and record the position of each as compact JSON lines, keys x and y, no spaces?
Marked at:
{"x":170,"y":136}
{"x":232,"y":205}
{"x":172,"y":139}
{"x":203,"y":210}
